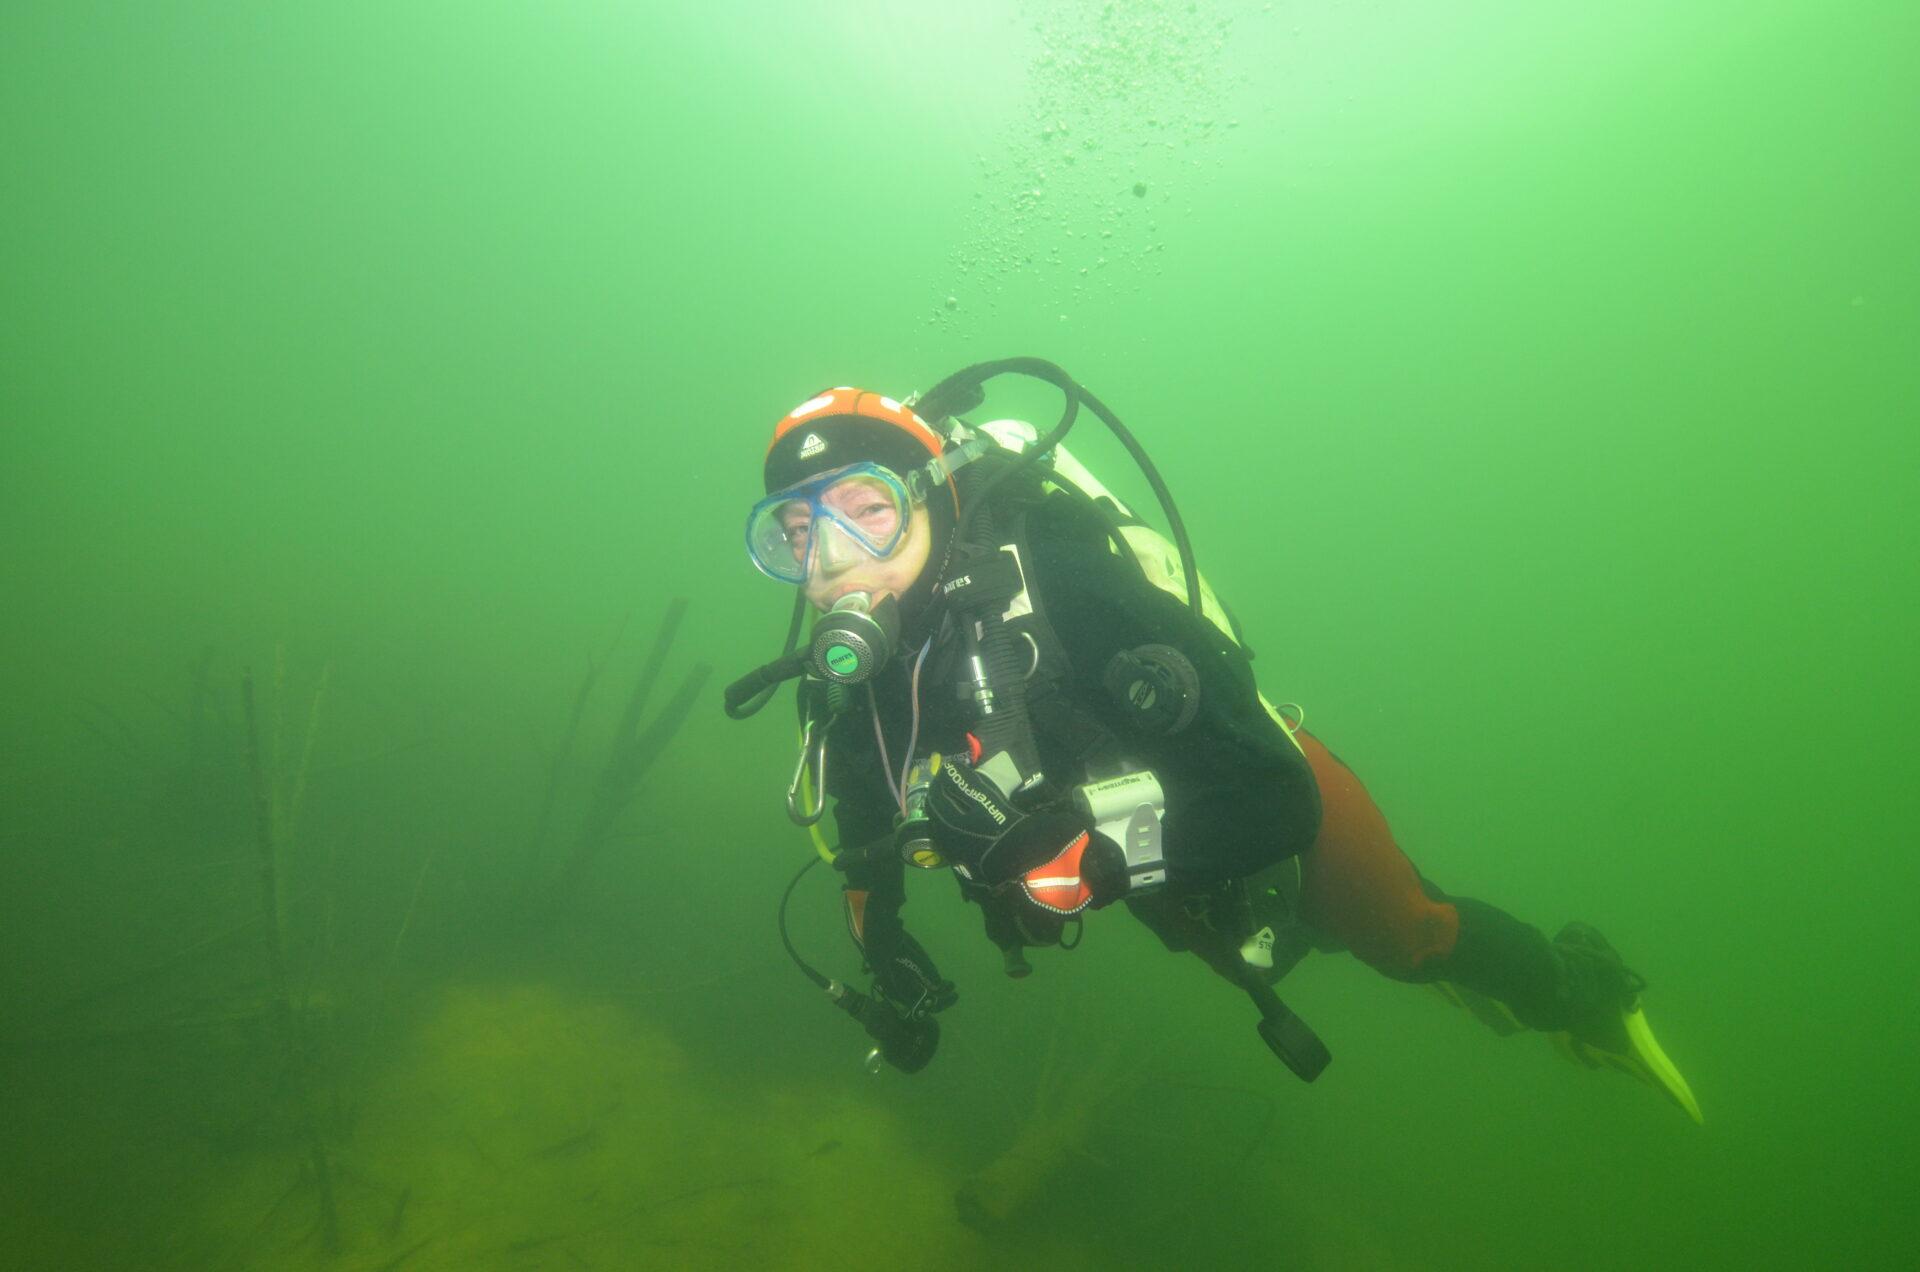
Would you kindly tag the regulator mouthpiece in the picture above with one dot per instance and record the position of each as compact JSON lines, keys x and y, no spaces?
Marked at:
{"x":853,"y":640}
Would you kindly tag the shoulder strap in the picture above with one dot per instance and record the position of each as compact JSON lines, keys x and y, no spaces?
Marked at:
{"x":1071,"y":734}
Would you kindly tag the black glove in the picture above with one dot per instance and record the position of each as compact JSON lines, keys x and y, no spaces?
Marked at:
{"x":988,"y":836}
{"x":1061,"y":863}
{"x":907,"y":979}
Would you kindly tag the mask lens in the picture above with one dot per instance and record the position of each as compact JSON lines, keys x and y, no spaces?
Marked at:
{"x":864,"y":505}
{"x":778,"y":535}
{"x":870,"y":508}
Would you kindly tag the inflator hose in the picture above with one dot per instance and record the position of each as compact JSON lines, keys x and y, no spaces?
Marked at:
{"x":759,"y":684}
{"x":745,"y":696}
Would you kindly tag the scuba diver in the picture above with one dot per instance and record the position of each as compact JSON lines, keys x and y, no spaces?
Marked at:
{"x":1010,"y":676}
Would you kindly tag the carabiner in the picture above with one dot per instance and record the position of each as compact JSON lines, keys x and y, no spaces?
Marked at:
{"x":812,"y":755}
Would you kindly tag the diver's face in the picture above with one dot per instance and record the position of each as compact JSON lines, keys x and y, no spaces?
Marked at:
{"x":841,"y":566}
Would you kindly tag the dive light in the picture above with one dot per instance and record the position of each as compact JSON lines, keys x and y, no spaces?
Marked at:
{"x":905,"y":1041}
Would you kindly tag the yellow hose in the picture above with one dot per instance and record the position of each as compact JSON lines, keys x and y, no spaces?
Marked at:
{"x":820,"y":844}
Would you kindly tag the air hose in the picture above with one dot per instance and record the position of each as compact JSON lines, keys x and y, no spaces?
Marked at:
{"x":806,"y":969}
{"x":745,"y":696}
{"x":964,"y":391}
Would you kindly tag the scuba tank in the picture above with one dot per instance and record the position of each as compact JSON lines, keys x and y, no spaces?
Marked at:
{"x":1159,"y":558}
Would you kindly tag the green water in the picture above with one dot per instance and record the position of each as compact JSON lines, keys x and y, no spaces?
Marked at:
{"x":1538,"y":382}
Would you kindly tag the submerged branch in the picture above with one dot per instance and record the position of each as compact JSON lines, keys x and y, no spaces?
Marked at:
{"x":418,"y":883}
{"x":633,"y":750}
{"x":1070,"y":1099}
{"x":650,"y":673}
{"x":277,"y":971}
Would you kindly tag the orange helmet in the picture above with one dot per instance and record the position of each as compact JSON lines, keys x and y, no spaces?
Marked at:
{"x":845,"y":425}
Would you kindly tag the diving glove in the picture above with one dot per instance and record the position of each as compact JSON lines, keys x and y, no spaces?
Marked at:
{"x":908,"y":980}
{"x":1060,"y":863}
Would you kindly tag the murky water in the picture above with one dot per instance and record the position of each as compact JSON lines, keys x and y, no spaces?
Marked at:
{"x":1537,"y":384}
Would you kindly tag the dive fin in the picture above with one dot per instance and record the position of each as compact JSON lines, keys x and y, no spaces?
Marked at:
{"x":1490,"y":1012}
{"x":1644,"y":1059}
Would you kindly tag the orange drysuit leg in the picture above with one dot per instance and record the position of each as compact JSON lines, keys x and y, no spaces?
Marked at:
{"x":1357,"y":887}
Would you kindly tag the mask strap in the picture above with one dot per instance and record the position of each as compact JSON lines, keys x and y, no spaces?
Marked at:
{"x":938,"y":470}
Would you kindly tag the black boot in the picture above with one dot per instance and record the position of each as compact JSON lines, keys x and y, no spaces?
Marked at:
{"x":1497,"y":957}
{"x":1597,"y":987}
